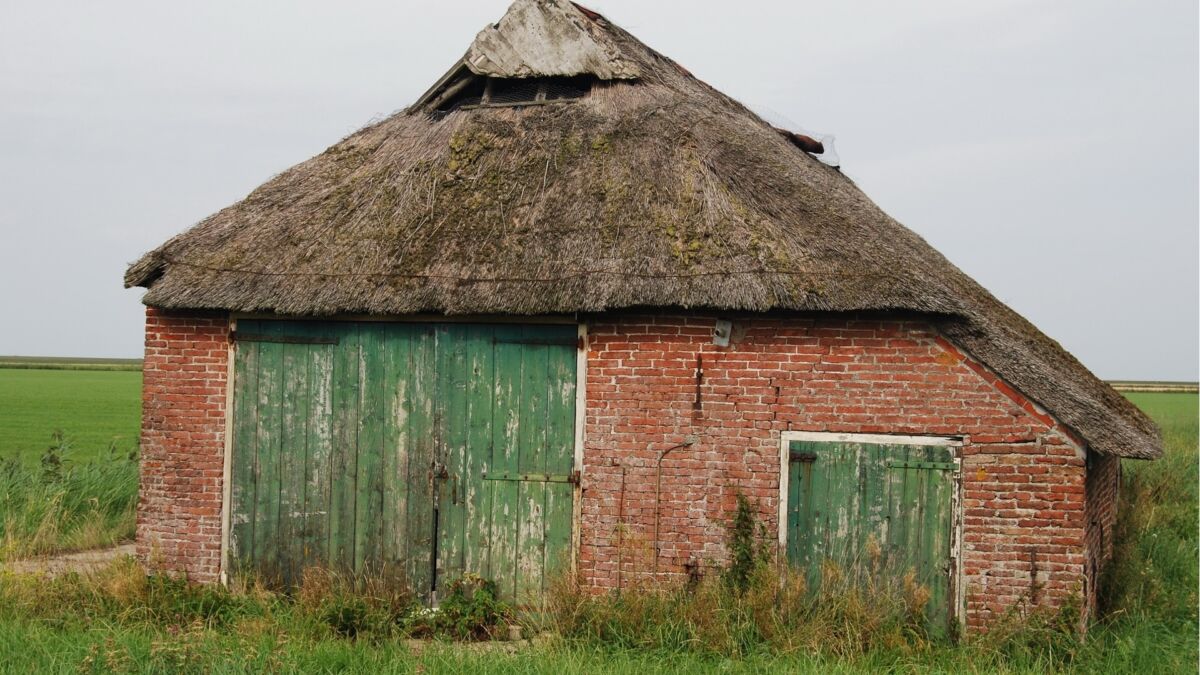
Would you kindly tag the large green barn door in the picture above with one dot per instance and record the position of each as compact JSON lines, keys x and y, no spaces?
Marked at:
{"x":874,"y":509}
{"x":414,"y":451}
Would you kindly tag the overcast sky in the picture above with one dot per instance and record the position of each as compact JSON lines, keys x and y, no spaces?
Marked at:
{"x":1049,"y":149}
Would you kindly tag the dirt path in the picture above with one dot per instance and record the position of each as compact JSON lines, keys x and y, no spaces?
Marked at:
{"x":81,"y":561}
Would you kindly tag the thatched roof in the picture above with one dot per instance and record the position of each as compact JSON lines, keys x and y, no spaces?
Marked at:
{"x":653,"y":190}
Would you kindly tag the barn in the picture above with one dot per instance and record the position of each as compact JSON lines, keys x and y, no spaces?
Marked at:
{"x":554,"y":316}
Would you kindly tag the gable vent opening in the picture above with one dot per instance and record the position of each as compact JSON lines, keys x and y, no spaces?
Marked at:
{"x":496,"y":92}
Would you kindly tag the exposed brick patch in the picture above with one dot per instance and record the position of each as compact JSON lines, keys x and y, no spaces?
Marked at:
{"x":183,"y":442}
{"x":652,"y":381}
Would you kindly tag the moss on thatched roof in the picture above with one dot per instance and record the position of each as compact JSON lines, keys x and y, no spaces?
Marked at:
{"x":654,"y":190}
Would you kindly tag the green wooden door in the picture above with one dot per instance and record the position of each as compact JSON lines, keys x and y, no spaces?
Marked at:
{"x":884,"y":511}
{"x":418,"y":452}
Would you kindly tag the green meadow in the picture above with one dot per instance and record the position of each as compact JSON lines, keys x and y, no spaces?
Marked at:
{"x":82,"y":493}
{"x":94,"y":409}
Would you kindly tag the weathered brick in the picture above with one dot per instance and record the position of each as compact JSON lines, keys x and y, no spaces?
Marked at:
{"x":183,"y":442}
{"x":1034,"y":529}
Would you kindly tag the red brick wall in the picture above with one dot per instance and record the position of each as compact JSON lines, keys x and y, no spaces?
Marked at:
{"x":1103,"y":488}
{"x":1022,"y":480}
{"x":183,"y":442}
{"x":1026,"y":533}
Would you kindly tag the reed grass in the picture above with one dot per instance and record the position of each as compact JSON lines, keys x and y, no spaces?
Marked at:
{"x":61,"y":505}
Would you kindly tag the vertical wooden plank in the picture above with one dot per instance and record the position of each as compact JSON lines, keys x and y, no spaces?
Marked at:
{"x":933,"y":557}
{"x":796,"y":478}
{"x":245,"y":437}
{"x":910,"y":503}
{"x":531,"y":543}
{"x":343,"y":492}
{"x":318,"y":462}
{"x":559,"y":509}
{"x":396,"y":369}
{"x":269,"y":444}
{"x":480,"y":385}
{"x":927,"y":511}
{"x":891,"y":520}
{"x":534,"y":393}
{"x":940,"y":524}
{"x":422,"y":439}
{"x":917,"y":507}
{"x":295,"y":414}
{"x":368,"y":530}
{"x":874,"y":513}
{"x":834,"y":511}
{"x":854,"y":526}
{"x":452,"y":397}
{"x":823,"y":471}
{"x":560,"y":455}
{"x":506,"y":423}
{"x":901,"y":494}
{"x":801,"y":540}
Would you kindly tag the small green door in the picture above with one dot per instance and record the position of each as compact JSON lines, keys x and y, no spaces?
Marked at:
{"x":875,"y":509}
{"x":418,"y":452}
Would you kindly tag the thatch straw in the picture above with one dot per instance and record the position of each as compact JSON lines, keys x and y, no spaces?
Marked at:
{"x":656,"y":192}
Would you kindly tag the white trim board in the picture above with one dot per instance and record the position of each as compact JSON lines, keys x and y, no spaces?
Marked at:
{"x":227,"y":460}
{"x":881,"y":439}
{"x":581,"y":360}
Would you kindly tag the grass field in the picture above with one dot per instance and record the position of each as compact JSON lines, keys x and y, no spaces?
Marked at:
{"x":93,"y":408}
{"x":68,"y":363}
{"x":120,"y":622}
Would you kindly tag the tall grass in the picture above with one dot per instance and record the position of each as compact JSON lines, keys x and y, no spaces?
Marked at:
{"x":775,"y":614}
{"x":60,"y":505}
{"x":326,"y":608}
{"x":1154,"y":576}
{"x":1149,"y":602}
{"x":754,"y":606}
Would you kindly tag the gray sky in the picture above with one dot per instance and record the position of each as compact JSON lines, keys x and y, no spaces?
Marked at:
{"x":1048,"y":149}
